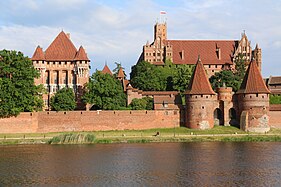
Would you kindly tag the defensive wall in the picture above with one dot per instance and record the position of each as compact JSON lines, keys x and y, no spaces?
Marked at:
{"x":44,"y":122}
{"x":52,"y":121}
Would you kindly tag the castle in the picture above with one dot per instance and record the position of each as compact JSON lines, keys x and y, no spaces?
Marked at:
{"x":62,"y":65}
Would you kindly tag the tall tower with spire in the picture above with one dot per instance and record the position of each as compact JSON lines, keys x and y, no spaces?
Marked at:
{"x":200,"y":100}
{"x":253,"y":98}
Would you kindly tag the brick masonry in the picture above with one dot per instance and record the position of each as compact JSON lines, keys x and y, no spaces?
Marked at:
{"x":43,"y":122}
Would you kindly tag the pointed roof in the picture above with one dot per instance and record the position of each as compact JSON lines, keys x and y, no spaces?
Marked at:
{"x":38,"y":54}
{"x":61,"y":49}
{"x":106,"y":70}
{"x":120,"y":73}
{"x":81,"y":54}
{"x":253,"y":82}
{"x":199,"y":83}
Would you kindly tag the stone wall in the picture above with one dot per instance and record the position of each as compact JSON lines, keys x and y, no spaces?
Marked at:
{"x":89,"y":121}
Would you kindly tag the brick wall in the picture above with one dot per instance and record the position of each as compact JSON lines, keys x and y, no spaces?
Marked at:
{"x":89,"y":121}
{"x":275,"y":119}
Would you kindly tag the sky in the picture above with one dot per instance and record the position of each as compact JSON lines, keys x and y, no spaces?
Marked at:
{"x":115,"y":31}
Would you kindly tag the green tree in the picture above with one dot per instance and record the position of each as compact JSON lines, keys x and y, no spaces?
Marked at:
{"x":275,"y":99}
{"x":182,"y":77}
{"x":145,"y":103}
{"x":230,"y":78}
{"x":226,"y":77}
{"x":104,"y":92}
{"x":148,"y":77}
{"x":63,"y":100}
{"x":17,"y":90}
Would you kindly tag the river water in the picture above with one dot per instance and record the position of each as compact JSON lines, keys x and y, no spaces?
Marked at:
{"x":150,"y":164}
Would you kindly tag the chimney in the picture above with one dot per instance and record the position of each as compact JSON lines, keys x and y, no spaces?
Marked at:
{"x":68,"y":35}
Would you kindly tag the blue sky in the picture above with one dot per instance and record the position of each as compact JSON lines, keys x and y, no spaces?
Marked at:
{"x":115,"y":31}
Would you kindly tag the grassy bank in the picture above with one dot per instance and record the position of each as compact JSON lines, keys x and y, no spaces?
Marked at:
{"x":181,"y":134}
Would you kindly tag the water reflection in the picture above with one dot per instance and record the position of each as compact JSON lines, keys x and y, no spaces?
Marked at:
{"x":157,"y":164}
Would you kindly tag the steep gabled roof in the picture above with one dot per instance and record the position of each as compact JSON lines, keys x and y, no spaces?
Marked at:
{"x":38,"y":54}
{"x":253,"y":82}
{"x":120,"y":73}
{"x":81,"y":54}
{"x":106,"y":70}
{"x":199,"y":83}
{"x":61,"y":49}
{"x":208,"y":50}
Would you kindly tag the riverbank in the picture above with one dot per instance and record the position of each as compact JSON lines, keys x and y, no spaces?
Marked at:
{"x":182,"y":134}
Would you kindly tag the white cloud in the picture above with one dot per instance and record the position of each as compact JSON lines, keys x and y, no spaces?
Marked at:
{"x":117,"y":30}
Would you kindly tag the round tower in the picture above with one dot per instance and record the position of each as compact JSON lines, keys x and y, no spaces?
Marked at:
{"x":253,"y":99}
{"x":200,"y":100}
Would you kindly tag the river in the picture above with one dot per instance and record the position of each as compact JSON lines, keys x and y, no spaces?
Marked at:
{"x":149,"y":164}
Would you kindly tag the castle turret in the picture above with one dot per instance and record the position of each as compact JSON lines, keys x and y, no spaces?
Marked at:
{"x":257,"y":56}
{"x":200,"y":100}
{"x":225,"y":98}
{"x":253,"y":98}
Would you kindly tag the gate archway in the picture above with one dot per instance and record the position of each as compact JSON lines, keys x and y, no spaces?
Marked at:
{"x":218,"y":118}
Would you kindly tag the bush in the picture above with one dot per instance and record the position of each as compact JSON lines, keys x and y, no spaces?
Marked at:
{"x":142,"y":104}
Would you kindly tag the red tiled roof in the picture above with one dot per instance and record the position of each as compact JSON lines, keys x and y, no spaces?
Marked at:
{"x":106,"y":70}
{"x":274,"y":80}
{"x":38,"y":54}
{"x":253,"y":82}
{"x":160,"y":99}
{"x":121,"y":73}
{"x":207,"y":49}
{"x":199,"y":83}
{"x":81,"y":54}
{"x":61,"y":49}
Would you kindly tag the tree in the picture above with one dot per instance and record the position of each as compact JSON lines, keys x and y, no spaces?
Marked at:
{"x":63,"y":100}
{"x":145,"y":103}
{"x":275,"y":99}
{"x":104,"y":92}
{"x":230,"y":78}
{"x":18,"y":92}
{"x":148,"y":77}
{"x":226,"y":77}
{"x":182,"y":77}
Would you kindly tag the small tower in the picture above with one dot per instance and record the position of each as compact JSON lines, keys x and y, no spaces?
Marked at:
{"x":120,"y":76}
{"x":257,"y":56}
{"x":200,"y":100}
{"x":106,"y":70}
{"x":253,"y":99}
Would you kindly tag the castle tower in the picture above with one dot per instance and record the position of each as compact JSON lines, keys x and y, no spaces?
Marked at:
{"x":253,"y":99}
{"x":257,"y":56}
{"x":61,"y":65}
{"x":225,"y":98}
{"x":200,"y":100}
